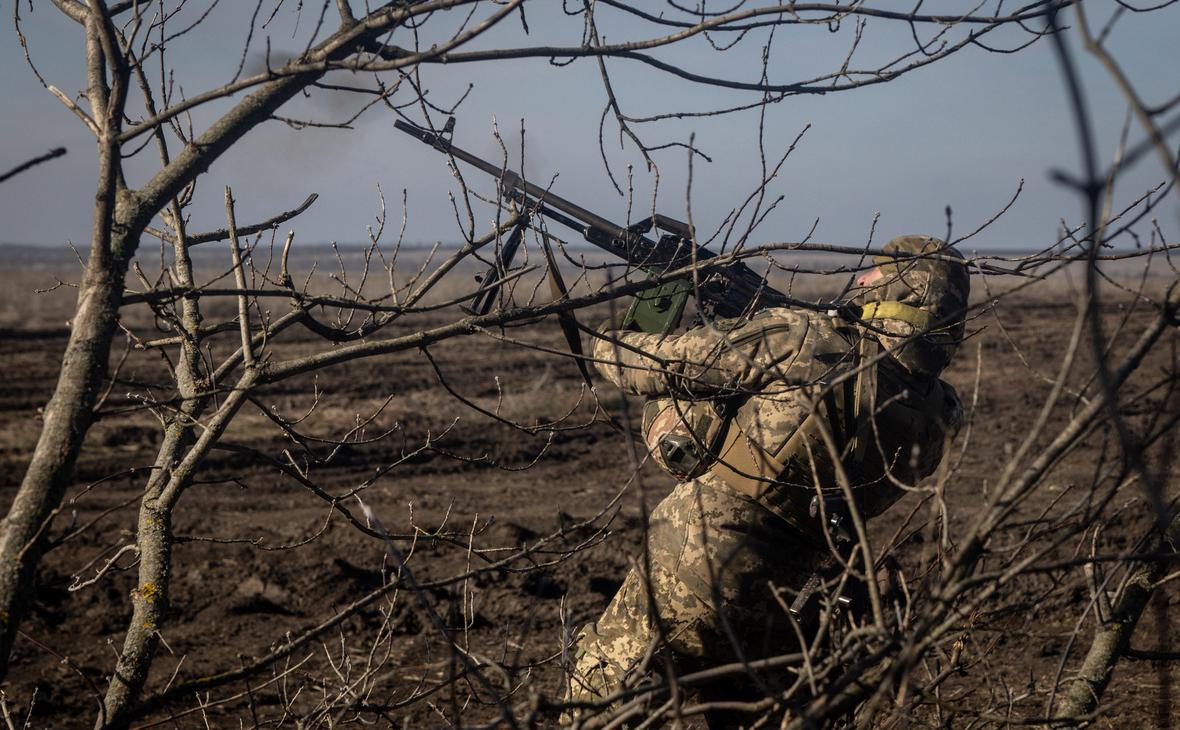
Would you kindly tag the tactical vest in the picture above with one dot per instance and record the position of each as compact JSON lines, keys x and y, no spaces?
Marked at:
{"x":884,"y":426}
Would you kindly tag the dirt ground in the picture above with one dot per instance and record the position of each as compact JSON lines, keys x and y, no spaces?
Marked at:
{"x":260,"y":558}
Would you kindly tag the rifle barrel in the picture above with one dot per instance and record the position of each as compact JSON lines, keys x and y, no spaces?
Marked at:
{"x":628,"y":245}
{"x":509,"y":180}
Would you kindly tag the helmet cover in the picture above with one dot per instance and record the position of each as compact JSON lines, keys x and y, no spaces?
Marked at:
{"x":930,"y":276}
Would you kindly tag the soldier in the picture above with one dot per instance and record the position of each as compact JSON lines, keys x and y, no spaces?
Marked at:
{"x":768,"y":423}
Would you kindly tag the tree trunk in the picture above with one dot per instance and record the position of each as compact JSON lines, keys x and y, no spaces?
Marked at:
{"x":67,"y":417}
{"x":120,"y":216}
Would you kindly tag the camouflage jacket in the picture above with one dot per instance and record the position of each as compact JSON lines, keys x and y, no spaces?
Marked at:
{"x":785,"y":405}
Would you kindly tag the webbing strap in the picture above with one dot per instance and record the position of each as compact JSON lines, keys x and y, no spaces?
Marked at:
{"x":897,"y":310}
{"x":865,"y":399}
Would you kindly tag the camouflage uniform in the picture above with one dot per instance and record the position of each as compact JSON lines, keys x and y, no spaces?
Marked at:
{"x":772,"y":404}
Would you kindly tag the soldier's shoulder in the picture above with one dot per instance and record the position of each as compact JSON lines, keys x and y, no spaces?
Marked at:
{"x":771,"y":319}
{"x":792,"y":317}
{"x":782,"y":314}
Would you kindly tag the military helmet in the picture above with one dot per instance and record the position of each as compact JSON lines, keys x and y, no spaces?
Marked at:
{"x":919,"y":303}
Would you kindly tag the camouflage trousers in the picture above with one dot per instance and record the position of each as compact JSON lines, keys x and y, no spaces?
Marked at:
{"x":706,"y":595}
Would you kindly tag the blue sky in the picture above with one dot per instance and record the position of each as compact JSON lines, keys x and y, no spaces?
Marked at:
{"x":961,"y":132}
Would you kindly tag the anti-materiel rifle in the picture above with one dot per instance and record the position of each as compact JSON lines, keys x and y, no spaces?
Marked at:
{"x":724,"y":291}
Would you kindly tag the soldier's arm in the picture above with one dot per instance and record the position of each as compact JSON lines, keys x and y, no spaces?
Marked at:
{"x":700,"y":362}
